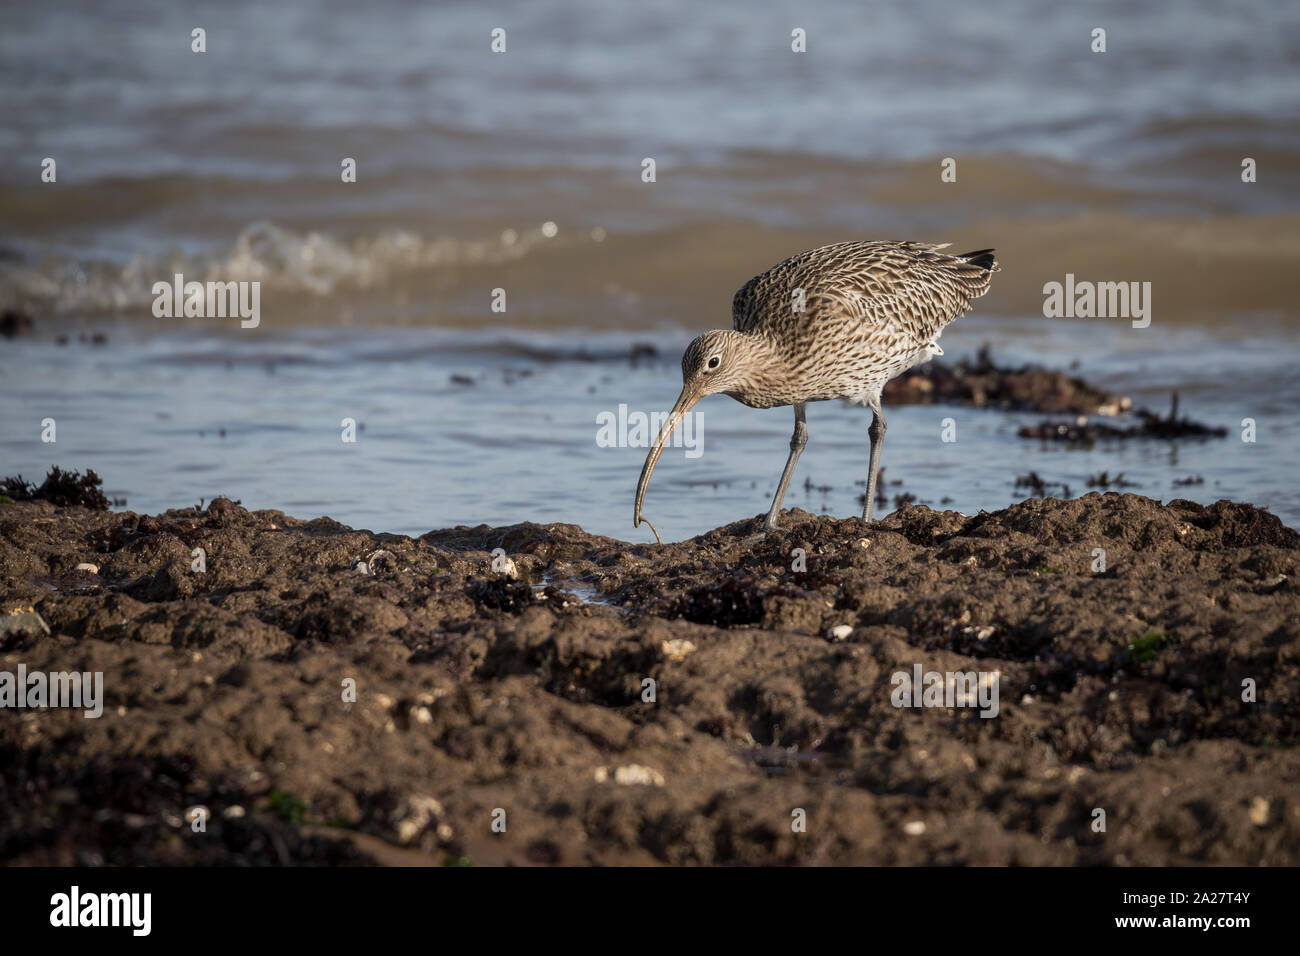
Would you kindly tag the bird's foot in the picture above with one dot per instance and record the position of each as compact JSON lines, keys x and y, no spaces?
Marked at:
{"x":765,"y":531}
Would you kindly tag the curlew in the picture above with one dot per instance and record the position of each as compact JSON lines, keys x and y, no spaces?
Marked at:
{"x":838,"y":321}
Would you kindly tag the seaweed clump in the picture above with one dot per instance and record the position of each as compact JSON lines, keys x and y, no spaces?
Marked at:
{"x":63,"y":488}
{"x":1169,"y":427}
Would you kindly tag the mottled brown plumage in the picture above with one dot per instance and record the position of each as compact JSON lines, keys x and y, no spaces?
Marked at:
{"x":838,"y":321}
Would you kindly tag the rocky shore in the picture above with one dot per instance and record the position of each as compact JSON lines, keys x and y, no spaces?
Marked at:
{"x":287,"y":691}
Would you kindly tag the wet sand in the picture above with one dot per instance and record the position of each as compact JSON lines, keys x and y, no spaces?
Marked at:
{"x":522,"y":691}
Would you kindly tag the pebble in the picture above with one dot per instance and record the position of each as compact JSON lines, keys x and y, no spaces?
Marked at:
{"x":677,"y":649}
{"x":632,"y":774}
{"x":1259,"y":808}
{"x":414,"y":814}
{"x":914,"y":827}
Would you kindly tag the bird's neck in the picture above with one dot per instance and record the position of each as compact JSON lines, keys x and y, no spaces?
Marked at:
{"x":762,"y":379}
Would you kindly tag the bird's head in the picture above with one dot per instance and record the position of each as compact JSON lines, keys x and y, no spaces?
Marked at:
{"x":713,"y":363}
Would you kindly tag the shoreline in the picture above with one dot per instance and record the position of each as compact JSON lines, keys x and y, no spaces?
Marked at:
{"x":773,"y":666}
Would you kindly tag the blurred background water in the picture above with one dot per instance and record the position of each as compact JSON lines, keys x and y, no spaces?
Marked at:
{"x":522,"y":171}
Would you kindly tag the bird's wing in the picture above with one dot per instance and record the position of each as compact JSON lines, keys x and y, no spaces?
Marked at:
{"x":908,"y":288}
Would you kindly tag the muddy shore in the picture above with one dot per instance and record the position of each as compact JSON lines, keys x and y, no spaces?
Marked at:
{"x":520,"y":695}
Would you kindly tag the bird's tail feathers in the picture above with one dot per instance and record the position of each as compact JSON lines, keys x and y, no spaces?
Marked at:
{"x":982,"y":258}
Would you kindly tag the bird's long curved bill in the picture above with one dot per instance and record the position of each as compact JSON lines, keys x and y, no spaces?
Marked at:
{"x":684,"y":404}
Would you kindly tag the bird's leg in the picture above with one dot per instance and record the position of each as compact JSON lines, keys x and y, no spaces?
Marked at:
{"x":877,"y":433}
{"x":797,"y":441}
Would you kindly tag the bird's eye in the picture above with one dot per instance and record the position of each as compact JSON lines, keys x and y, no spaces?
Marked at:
{"x":714,"y":363}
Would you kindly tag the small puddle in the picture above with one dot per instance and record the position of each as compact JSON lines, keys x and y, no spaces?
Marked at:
{"x":580,"y":589}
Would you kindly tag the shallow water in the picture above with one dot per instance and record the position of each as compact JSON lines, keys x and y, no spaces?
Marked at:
{"x":523,"y":172}
{"x":168,"y":419}
{"x":226,"y":164}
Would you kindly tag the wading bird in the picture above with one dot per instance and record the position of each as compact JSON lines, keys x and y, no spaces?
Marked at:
{"x":838,"y":321}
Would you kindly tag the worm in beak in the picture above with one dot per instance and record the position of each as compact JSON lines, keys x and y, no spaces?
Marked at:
{"x":685,"y":402}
